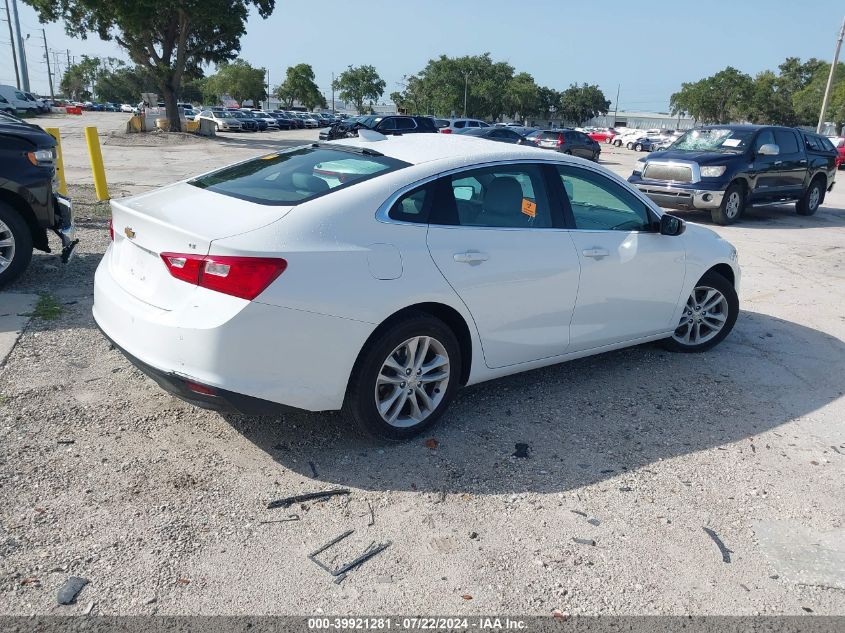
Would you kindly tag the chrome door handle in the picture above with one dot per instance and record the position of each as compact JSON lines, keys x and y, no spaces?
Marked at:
{"x":596,"y":253}
{"x":778,"y":162}
{"x":803,"y":161}
{"x":471,"y":257}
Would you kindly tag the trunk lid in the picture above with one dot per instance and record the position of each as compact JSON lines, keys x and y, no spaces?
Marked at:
{"x":180,"y":218}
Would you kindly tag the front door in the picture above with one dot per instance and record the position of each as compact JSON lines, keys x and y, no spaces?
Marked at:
{"x":495,"y":239}
{"x":631,"y":276}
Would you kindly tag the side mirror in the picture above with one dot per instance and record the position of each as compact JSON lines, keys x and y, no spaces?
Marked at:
{"x":671,"y":225}
{"x":769,"y":149}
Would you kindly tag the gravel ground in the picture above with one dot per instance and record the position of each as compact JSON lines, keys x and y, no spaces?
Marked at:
{"x":161,"y":506}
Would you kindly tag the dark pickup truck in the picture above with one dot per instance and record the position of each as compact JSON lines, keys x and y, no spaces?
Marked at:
{"x":29,"y":203}
{"x":726,"y":168}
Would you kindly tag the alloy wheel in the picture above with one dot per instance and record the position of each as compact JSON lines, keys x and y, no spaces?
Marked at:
{"x":704,"y":316}
{"x":733,"y":204}
{"x":7,"y":246}
{"x":412,"y":381}
{"x":813,"y":202}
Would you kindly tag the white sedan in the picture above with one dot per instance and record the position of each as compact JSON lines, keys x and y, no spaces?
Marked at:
{"x":380,"y":274}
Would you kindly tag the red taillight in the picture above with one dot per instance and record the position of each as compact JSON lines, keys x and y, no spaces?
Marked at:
{"x":445,"y":130}
{"x":203,"y":390}
{"x":560,"y":140}
{"x":111,"y":230}
{"x":244,"y":277}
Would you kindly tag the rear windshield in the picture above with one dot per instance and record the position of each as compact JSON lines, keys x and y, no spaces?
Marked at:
{"x":298,"y":175}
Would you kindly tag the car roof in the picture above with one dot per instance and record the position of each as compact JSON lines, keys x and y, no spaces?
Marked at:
{"x":459,"y":148}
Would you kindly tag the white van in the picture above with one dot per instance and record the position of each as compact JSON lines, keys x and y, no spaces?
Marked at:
{"x":18,"y":99}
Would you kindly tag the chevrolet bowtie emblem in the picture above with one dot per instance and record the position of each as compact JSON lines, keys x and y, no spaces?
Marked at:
{"x":129,"y":232}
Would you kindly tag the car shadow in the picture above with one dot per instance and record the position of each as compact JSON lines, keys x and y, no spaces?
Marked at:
{"x":774,"y":217}
{"x":583,"y":422}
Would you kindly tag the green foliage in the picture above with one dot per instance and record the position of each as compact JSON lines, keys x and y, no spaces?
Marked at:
{"x":791,"y":96}
{"x":169,"y":39}
{"x":48,"y":308}
{"x":79,"y":79}
{"x":239,"y":80}
{"x":358,"y":84}
{"x":124,"y":84}
{"x":299,"y":86}
{"x":579,"y":103}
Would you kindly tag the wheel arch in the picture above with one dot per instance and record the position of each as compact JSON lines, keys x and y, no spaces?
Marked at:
{"x":725,"y":271}
{"x":451,"y":317}
{"x":39,"y":234}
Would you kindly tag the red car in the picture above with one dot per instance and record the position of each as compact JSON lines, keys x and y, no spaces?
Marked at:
{"x":602,"y":135}
{"x":839,"y":144}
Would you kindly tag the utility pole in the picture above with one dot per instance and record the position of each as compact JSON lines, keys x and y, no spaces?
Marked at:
{"x":332,"y":93}
{"x":21,"y":50}
{"x":466,"y":86}
{"x":12,"y":44}
{"x":47,"y":57}
{"x":68,"y":58}
{"x":830,"y":78}
{"x":616,"y":104}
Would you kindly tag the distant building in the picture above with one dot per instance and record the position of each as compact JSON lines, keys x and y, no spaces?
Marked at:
{"x":642,"y":120}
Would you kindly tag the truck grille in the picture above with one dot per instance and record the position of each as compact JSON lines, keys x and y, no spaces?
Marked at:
{"x":663,"y":171}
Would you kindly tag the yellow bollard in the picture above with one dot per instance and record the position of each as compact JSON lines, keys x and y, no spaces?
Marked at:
{"x":97,"y":163}
{"x":60,"y":164}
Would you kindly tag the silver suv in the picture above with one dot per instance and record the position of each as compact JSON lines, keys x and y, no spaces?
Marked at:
{"x":456,"y":125}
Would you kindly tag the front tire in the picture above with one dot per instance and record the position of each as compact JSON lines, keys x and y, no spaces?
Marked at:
{"x":15,"y":245}
{"x":733,"y":204}
{"x":629,"y":145}
{"x":638,"y":147}
{"x":812,"y":198}
{"x":405,"y":378}
{"x":708,"y":316}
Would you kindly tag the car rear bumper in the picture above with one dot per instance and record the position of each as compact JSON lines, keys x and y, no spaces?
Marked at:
{"x":244,"y":350}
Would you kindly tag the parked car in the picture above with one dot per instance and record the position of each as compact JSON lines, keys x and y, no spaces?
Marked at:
{"x":725,"y":169}
{"x":18,"y":99}
{"x":40,"y":104}
{"x":30,"y":204}
{"x":569,"y":142}
{"x":642,"y":144}
{"x":308,"y":120}
{"x":6,"y":107}
{"x":222,"y":120}
{"x":271,"y":121}
{"x":838,"y":142}
{"x":249,"y":121}
{"x":441,"y":123}
{"x":283,"y":121}
{"x":629,"y":137}
{"x":405,"y":317}
{"x":460,"y":124}
{"x":500,"y":134}
{"x":602,"y":135}
{"x":298,"y":122}
{"x":388,"y":125}
{"x":533,"y":138}
{"x":126,"y":107}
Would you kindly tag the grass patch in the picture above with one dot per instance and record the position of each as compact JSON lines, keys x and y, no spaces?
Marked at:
{"x":47,"y":308}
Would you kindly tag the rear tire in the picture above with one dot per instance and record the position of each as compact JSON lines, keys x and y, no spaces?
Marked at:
{"x":15,"y":245}
{"x":638,"y":147}
{"x":391,"y":394}
{"x":708,"y":317}
{"x":812,"y":198}
{"x":629,"y":145}
{"x":733,"y":204}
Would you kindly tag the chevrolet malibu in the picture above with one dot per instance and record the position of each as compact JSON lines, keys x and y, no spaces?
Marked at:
{"x":378,"y":275}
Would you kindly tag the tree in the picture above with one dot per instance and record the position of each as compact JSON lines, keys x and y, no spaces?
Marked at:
{"x":238,"y":80}
{"x":169,"y":39}
{"x":357,"y":84}
{"x":579,"y":103}
{"x":720,"y":98}
{"x":79,"y":79}
{"x":768,"y":101}
{"x":522,"y":96}
{"x":299,"y":86}
{"x":124,"y":84}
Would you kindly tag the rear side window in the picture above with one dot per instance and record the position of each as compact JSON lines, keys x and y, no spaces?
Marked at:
{"x":298,"y":175}
{"x":459,"y":124}
{"x":786,"y":142}
{"x":505,"y":196}
{"x":405,"y":123}
{"x":413,"y":206}
{"x":425,"y":123}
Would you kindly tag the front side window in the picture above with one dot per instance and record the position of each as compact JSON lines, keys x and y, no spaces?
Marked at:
{"x":506,"y":196}
{"x":786,"y":141}
{"x":764,"y":138}
{"x":599,"y":204}
{"x":405,"y":123}
{"x":294,"y":176}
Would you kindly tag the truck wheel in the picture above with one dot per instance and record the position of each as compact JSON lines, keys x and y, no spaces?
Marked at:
{"x":811,"y":200}
{"x":733,"y":204}
{"x":15,"y":245}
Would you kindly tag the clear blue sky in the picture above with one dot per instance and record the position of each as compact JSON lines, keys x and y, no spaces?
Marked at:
{"x":648,"y":46}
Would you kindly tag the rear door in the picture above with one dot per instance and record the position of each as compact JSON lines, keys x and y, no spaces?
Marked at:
{"x":496,"y":239}
{"x":793,"y":167}
{"x":631,"y":275}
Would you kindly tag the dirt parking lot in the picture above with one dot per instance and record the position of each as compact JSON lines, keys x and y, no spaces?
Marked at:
{"x":631,"y":455}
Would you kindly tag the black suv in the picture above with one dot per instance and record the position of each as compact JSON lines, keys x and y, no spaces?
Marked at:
{"x":726,"y":168}
{"x":29,"y":204}
{"x":388,"y":125}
